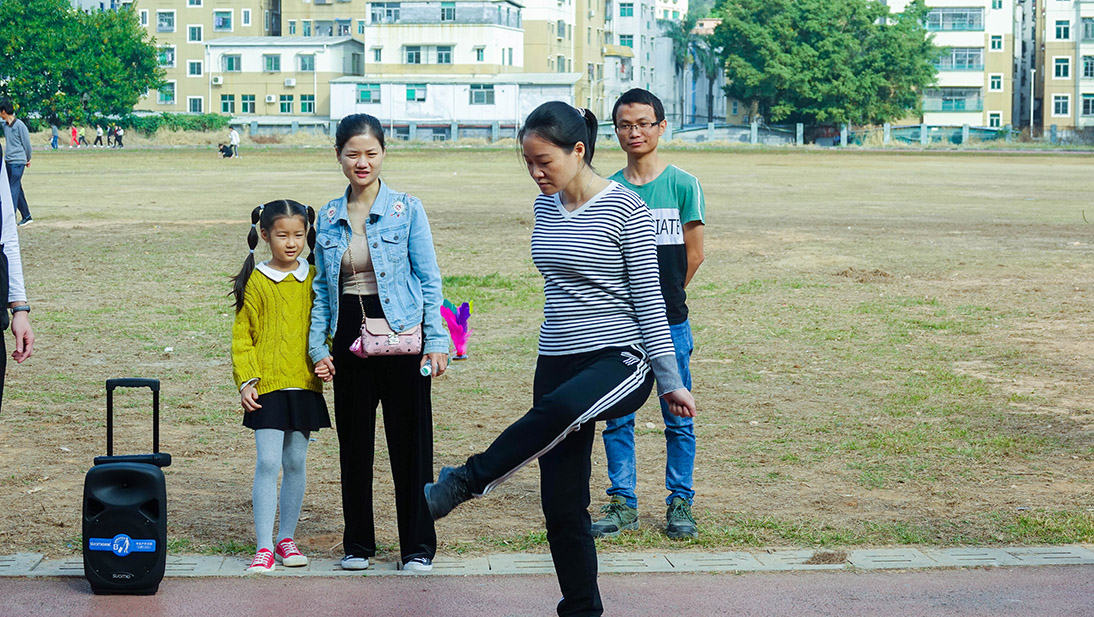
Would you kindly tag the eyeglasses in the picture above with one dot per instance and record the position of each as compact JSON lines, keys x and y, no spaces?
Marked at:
{"x":626,"y":128}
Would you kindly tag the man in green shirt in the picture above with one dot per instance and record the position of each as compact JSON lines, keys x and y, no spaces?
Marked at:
{"x":676,"y":202}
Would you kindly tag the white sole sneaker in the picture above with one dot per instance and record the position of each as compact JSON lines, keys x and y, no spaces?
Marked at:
{"x":350,"y":562}
{"x":418,"y":564}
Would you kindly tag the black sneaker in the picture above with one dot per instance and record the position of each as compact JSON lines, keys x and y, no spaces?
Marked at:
{"x":680,"y":523}
{"x":26,"y":221}
{"x":450,"y":490}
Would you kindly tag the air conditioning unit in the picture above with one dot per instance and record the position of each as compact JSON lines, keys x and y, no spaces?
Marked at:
{"x":290,"y":82}
{"x":270,"y":98}
{"x":592,"y":12}
{"x":218,"y":80}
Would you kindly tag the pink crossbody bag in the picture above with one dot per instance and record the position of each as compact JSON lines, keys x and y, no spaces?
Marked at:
{"x":377,"y":337}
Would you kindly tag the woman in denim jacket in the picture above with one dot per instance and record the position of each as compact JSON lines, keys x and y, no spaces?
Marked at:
{"x":374,"y":252}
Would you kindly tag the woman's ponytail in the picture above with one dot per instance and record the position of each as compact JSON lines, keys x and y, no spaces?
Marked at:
{"x":563,"y":125}
{"x":239,"y":281}
{"x":592,"y":127}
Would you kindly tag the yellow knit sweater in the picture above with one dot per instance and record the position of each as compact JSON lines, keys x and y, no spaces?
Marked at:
{"x":270,"y":335}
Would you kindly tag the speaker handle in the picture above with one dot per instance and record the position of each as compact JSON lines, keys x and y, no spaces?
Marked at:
{"x":132,"y":382}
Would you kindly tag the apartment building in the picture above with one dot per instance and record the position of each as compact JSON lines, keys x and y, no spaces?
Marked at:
{"x":1065,"y":63}
{"x":589,"y":55}
{"x":278,"y":75}
{"x":671,"y":9}
{"x":975,"y":82}
{"x":181,"y":29}
{"x":631,"y":32}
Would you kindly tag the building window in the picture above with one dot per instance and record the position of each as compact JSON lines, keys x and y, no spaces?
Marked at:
{"x":285,"y":103}
{"x":510,"y":56}
{"x":480,"y":54}
{"x":247,"y":103}
{"x":245,"y":17}
{"x":307,"y":63}
{"x":952,"y":99}
{"x":1061,"y":68}
{"x":227,"y":103}
{"x":954,"y":18}
{"x":307,"y":103}
{"x":995,"y":83}
{"x":735,"y":109}
{"x":307,"y":26}
{"x":193,"y":2}
{"x":1088,"y":28}
{"x":1063,"y":29}
{"x":589,"y":70}
{"x":195,"y":104}
{"x":448,"y":11}
{"x":961,"y":59}
{"x":415,"y":93}
{"x":266,"y":20}
{"x":997,"y":42}
{"x":193,"y":68}
{"x":222,"y":21}
{"x":292,"y":26}
{"x":167,"y":94}
{"x":233,"y":64}
{"x":343,"y":26}
{"x":482,"y":94}
{"x":377,"y":54}
{"x":996,"y":4}
{"x":144,"y":17}
{"x":995,"y":119}
{"x":165,"y":21}
{"x":368,"y":93}
{"x":1061,"y":105}
{"x":195,"y":34}
{"x":271,"y":63}
{"x":385,"y":12}
{"x":1088,"y":67}
{"x":626,"y":40}
{"x":444,"y":55}
{"x":360,"y":26}
{"x":560,"y":64}
{"x":560,"y":29}
{"x":1088,"y":104}
{"x":166,"y":56}
{"x":414,"y":55}
{"x":626,"y":9}
{"x":676,"y":14}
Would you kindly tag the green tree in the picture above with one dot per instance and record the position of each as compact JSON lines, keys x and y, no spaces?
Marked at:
{"x":682,"y":41}
{"x":826,"y":61}
{"x":64,"y":65}
{"x":708,"y":59}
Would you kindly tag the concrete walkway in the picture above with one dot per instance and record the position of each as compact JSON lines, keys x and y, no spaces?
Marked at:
{"x":773,"y":560}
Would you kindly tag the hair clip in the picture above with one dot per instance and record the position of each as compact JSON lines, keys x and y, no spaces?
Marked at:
{"x":252,"y":251}
{"x":581,"y":110}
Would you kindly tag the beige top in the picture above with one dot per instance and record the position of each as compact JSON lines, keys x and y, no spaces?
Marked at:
{"x":364,"y":284}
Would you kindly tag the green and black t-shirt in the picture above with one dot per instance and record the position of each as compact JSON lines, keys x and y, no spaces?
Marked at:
{"x":675,"y":199}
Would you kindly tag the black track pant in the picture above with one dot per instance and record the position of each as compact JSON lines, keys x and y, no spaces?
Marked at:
{"x":394,"y":383}
{"x":570,"y":393}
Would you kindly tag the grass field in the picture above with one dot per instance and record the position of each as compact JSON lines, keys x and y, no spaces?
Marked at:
{"x":892,"y":348}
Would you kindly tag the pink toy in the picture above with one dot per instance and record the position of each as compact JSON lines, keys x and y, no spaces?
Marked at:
{"x":456,"y":319}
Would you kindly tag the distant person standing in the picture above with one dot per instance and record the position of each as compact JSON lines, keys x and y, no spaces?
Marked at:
{"x":118,"y":132}
{"x":11,"y":284}
{"x":110,"y":135}
{"x":17,"y":157}
{"x":233,"y":141}
{"x":55,"y":136}
{"x":98,"y":136}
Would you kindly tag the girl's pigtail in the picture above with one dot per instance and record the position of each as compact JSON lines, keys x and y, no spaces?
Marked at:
{"x":239,"y":281}
{"x":311,"y":235}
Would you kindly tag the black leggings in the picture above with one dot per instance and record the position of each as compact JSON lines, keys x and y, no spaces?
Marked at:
{"x":569,"y":393}
{"x":394,"y":383}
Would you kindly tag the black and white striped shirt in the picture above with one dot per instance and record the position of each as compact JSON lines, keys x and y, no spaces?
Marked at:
{"x":601,"y":286}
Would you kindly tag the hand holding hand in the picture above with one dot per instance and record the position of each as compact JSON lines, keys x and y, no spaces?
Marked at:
{"x":324,"y":369}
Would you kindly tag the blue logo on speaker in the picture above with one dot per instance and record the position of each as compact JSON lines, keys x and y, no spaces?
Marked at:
{"x":121,"y":545}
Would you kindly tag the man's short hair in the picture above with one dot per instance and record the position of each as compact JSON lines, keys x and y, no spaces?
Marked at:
{"x":7,"y":107}
{"x":639,"y":96}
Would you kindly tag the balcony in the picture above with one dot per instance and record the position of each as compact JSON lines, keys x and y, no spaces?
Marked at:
{"x":953,"y":105}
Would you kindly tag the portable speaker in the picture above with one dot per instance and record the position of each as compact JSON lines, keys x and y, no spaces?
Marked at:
{"x":125,"y":510}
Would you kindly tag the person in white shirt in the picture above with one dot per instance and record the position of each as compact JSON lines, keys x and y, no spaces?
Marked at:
{"x":11,"y":284}
{"x":233,"y":141}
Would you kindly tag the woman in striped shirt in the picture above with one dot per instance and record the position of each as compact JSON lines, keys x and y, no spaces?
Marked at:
{"x":603,"y":341}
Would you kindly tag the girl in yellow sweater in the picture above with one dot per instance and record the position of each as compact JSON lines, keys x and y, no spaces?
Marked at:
{"x":281,"y":396}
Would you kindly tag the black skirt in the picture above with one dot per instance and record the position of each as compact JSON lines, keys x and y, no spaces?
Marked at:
{"x":289,"y":410}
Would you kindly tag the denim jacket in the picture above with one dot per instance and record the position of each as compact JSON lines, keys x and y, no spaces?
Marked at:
{"x":407,"y":275}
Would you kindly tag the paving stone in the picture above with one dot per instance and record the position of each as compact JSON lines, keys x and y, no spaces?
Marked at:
{"x":971,"y":557}
{"x":19,"y":564}
{"x":521,"y":564}
{"x":793,"y":560}
{"x":890,"y":558}
{"x":633,"y":562}
{"x":714,"y":562}
{"x":461,"y":567}
{"x":1050,"y":555}
{"x":193,"y":565}
{"x":59,"y":567}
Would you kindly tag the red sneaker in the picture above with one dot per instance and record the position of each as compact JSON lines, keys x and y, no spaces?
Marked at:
{"x":289,"y":555}
{"x":263,"y":562}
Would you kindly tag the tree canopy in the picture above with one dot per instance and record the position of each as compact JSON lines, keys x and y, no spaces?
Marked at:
{"x":826,"y":61}
{"x":64,"y":65}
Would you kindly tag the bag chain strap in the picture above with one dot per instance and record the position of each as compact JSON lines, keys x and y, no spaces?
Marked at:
{"x":356,"y":282}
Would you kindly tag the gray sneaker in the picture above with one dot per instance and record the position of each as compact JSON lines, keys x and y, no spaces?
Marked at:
{"x":617,"y":517}
{"x":678,"y":519}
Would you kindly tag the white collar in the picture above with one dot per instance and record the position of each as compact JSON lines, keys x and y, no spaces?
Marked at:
{"x":300,"y":273}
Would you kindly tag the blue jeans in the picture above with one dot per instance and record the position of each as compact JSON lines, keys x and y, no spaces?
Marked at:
{"x":15,"y":180}
{"x":679,"y":438}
